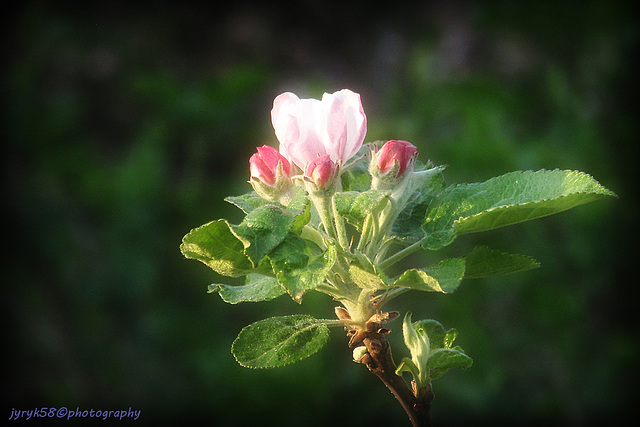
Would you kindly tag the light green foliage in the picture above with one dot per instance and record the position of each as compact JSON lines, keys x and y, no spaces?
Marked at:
{"x":508,"y":199}
{"x":263,"y":229}
{"x":279,"y":341}
{"x":257,"y":288}
{"x":299,"y":266}
{"x":355,"y":206}
{"x":432,"y":351}
{"x":442,"y":277}
{"x":304,"y":246}
{"x":218,"y":247}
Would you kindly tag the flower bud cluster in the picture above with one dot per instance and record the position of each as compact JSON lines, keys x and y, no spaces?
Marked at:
{"x":317,"y":138}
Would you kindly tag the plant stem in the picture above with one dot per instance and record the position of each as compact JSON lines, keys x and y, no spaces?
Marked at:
{"x":339,"y":224}
{"x":380,"y":362}
{"x":401,"y":254}
{"x":323,"y":205}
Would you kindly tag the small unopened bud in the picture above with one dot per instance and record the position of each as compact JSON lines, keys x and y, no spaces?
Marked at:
{"x":321,"y":171}
{"x":391,"y":163}
{"x":264,"y":164}
{"x":359,"y":353}
{"x":270,"y":174}
{"x":395,"y":152}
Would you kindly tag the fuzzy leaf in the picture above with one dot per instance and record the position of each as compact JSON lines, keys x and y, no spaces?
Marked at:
{"x":444,"y":277}
{"x":279,"y":341}
{"x":257,"y":288}
{"x":300,"y":265}
{"x":407,"y":365}
{"x":355,"y":206}
{"x":300,"y":207}
{"x":443,"y":359}
{"x":433,"y":329}
{"x":366,"y":274}
{"x":504,"y":200}
{"x":217,"y":246}
{"x":365,"y":279}
{"x":247,"y":202}
{"x":263,"y":229}
{"x":356,"y":177}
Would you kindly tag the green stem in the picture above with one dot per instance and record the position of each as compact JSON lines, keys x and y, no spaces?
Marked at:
{"x":401,"y":254}
{"x":364,"y":236}
{"x":323,"y":207}
{"x":339,"y":225}
{"x":389,"y":295}
{"x":310,"y":233}
{"x":384,"y":224}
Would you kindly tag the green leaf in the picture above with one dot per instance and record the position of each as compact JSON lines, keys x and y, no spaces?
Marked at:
{"x":443,"y":359}
{"x":263,"y":229}
{"x":486,"y":262}
{"x":217,"y":246}
{"x":366,"y":274}
{"x":432,"y":329}
{"x":356,"y":177}
{"x":300,"y":207}
{"x":279,"y":341}
{"x":407,"y":365}
{"x":449,"y":337}
{"x":355,"y":206}
{"x":431,"y":350}
{"x":442,"y":277}
{"x":248,"y":202}
{"x":365,"y":279}
{"x":257,"y":288}
{"x":504,"y":200}
{"x":300,"y":265}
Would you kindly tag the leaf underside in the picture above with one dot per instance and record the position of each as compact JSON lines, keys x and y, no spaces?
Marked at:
{"x":215,"y":245}
{"x":257,"y":288}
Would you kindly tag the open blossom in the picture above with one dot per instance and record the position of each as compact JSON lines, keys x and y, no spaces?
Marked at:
{"x":311,"y":128}
{"x":392,"y":153}
{"x":321,"y":170}
{"x":264,"y":164}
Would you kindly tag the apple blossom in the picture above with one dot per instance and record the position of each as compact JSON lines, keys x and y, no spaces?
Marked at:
{"x":310,"y":128}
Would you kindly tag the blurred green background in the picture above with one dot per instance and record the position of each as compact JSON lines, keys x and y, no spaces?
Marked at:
{"x":126,"y":125}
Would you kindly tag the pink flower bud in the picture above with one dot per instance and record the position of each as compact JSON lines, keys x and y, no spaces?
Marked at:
{"x":321,"y":170}
{"x":310,"y":128}
{"x":264,"y":164}
{"x":393,"y":152}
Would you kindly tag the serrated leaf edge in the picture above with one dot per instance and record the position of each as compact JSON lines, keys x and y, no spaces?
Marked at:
{"x":319,"y":323}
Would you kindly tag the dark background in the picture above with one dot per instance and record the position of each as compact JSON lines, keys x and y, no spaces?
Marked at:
{"x":126,"y":126}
